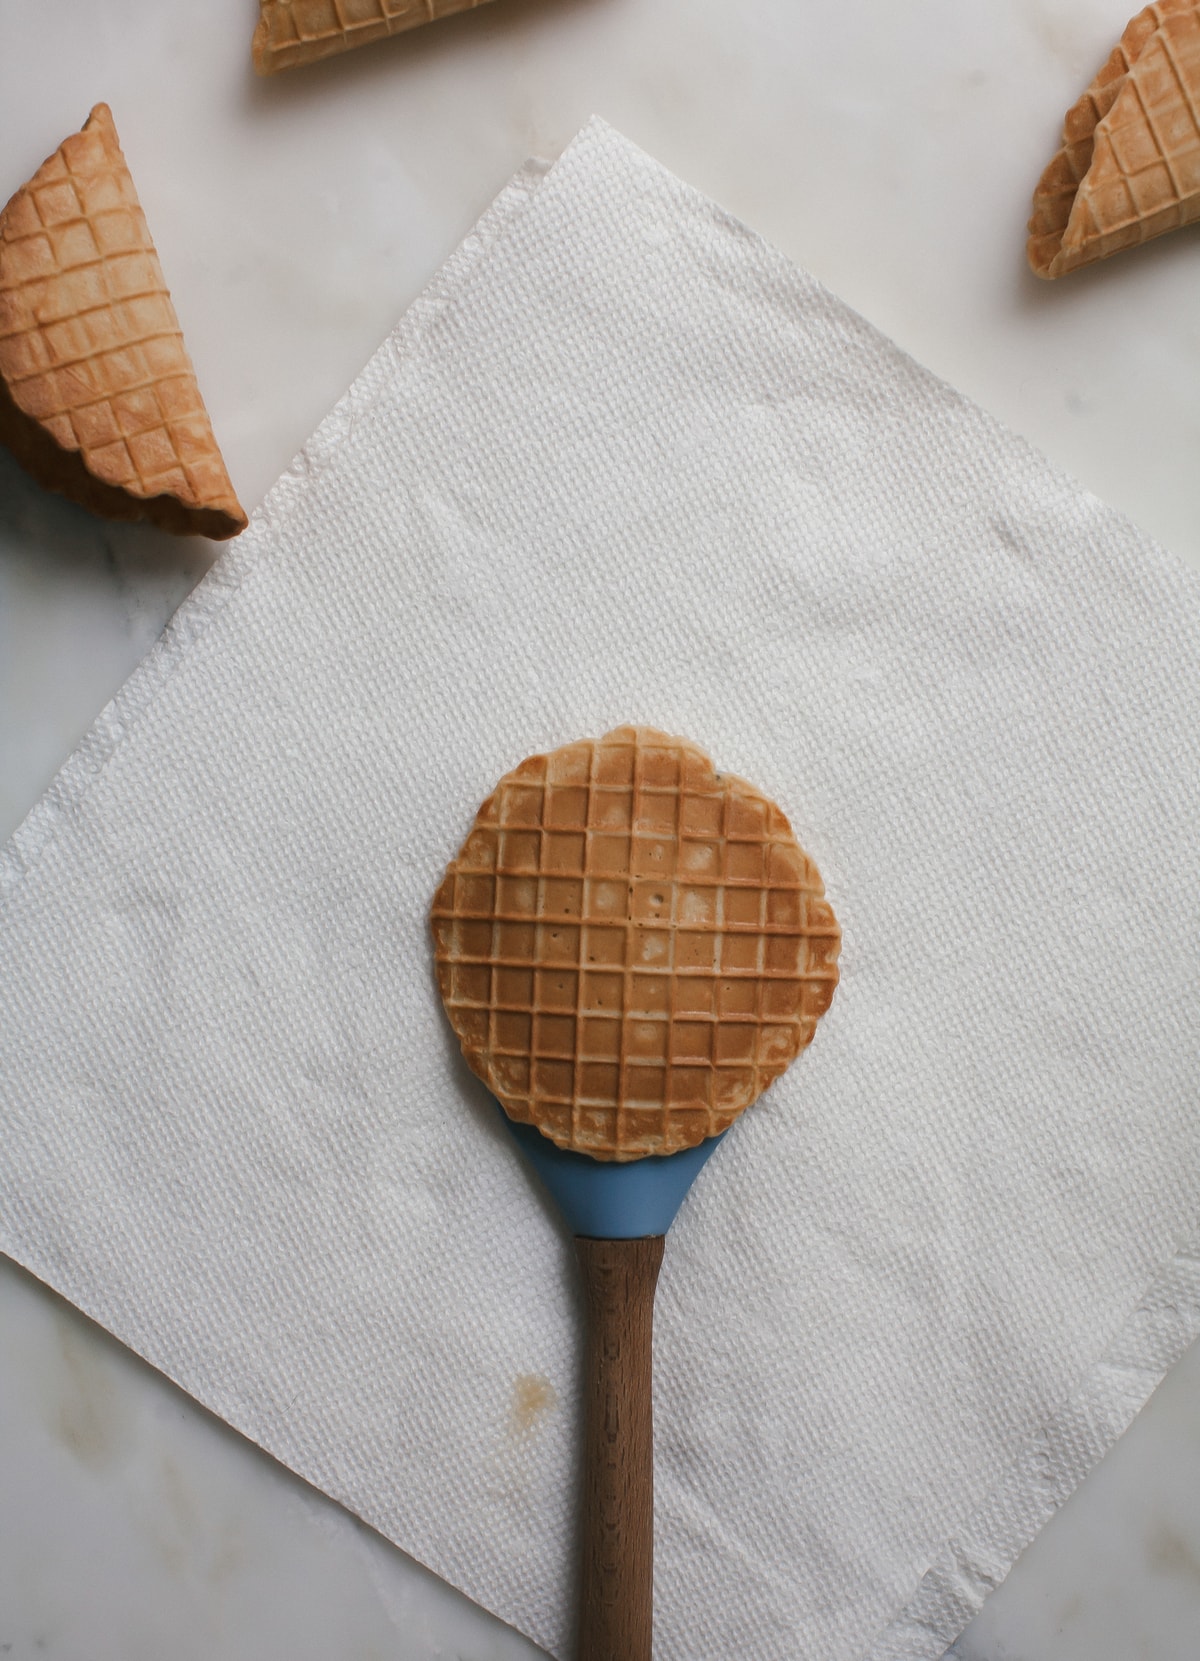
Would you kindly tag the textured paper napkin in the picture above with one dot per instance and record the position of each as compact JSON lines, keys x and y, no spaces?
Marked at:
{"x":622,"y":462}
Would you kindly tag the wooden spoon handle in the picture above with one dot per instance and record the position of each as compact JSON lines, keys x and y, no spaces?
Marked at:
{"x":616,"y":1607}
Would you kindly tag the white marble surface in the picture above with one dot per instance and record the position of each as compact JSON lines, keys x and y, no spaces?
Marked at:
{"x":892,"y":151}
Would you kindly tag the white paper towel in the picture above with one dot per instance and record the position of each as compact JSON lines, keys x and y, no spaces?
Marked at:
{"x":623,"y":463}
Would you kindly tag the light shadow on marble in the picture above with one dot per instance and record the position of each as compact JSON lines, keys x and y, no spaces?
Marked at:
{"x":135,"y":1525}
{"x":81,"y":602}
{"x":1116,"y":1574}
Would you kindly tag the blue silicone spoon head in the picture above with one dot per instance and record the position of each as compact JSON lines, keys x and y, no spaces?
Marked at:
{"x":604,"y":1200}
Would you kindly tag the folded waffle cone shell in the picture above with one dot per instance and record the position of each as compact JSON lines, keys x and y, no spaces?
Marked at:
{"x":291,"y":33}
{"x":631,"y":947}
{"x":1129,"y":166}
{"x":98,"y":397}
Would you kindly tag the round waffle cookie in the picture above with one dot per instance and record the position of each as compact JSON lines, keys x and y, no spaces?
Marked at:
{"x":631,"y":946}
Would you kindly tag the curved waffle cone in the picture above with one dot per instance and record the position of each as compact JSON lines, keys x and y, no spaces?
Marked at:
{"x":98,"y":398}
{"x":631,"y":947}
{"x":294,"y":32}
{"x":1129,"y":167}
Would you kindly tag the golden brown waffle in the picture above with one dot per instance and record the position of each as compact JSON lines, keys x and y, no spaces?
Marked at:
{"x":630,"y":947}
{"x":98,"y":398}
{"x":1129,"y":167}
{"x":294,"y":32}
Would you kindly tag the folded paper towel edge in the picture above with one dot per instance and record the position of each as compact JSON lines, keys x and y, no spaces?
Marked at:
{"x":1045,"y":1473}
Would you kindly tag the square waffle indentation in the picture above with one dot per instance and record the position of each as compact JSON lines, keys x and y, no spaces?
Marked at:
{"x":660,"y":763}
{"x":702,"y":816}
{"x":746,"y":818}
{"x":521,"y":804}
{"x":776,"y":1045}
{"x":696,"y":949}
{"x":745,"y":862}
{"x":650,"y":900}
{"x":613,"y":764}
{"x":733,"y":1044}
{"x":75,"y":244}
{"x":779,"y":999}
{"x":512,"y":988}
{"x":512,"y":1074}
{"x":564,"y":852}
{"x":784,"y":954}
{"x":516,"y":897}
{"x":558,"y":943}
{"x":744,"y":908}
{"x":647,"y":1041}
{"x":600,"y":1038}
{"x":699,"y":860}
{"x":695,"y":995}
{"x":689,"y":1086}
{"x":731,"y":1085}
{"x":651,"y":949}
{"x":515,"y":942}
{"x":598,"y":1123}
{"x":740,"y":953}
{"x":657,"y":811}
{"x":612,"y":810}
{"x":603,"y":946}
{"x":556,"y":989}
{"x":562,"y":897}
{"x":737,"y":997}
{"x":608,"y":855}
{"x":606,"y":897}
{"x":643,"y":1120}
{"x":554,"y":1079}
{"x":649,"y":995}
{"x":520,"y":850}
{"x":692,"y":1040}
{"x":569,"y":766}
{"x":698,"y":906}
{"x":784,"y":908}
{"x":653,"y":856}
{"x":474,"y":1028}
{"x":599,"y":1081}
{"x":566,"y":809}
{"x":602,"y":993}
{"x":474,"y":895}
{"x":58,"y":202}
{"x":645,"y":1084}
{"x":511,"y":1032}
{"x":473,"y":939}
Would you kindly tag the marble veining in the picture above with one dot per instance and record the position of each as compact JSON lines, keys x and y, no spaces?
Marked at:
{"x":891,"y":150}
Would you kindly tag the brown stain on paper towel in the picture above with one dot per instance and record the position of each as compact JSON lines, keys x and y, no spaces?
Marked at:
{"x":533,"y":1397}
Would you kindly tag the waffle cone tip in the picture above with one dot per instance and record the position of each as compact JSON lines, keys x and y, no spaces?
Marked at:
{"x":98,"y":397}
{"x":292,"y":33}
{"x":1128,"y":168}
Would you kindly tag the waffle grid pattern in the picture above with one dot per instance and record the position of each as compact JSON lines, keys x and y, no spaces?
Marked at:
{"x":1153,"y":132}
{"x":629,"y":948}
{"x":294,"y":32}
{"x":1129,"y":166}
{"x":90,"y":346}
